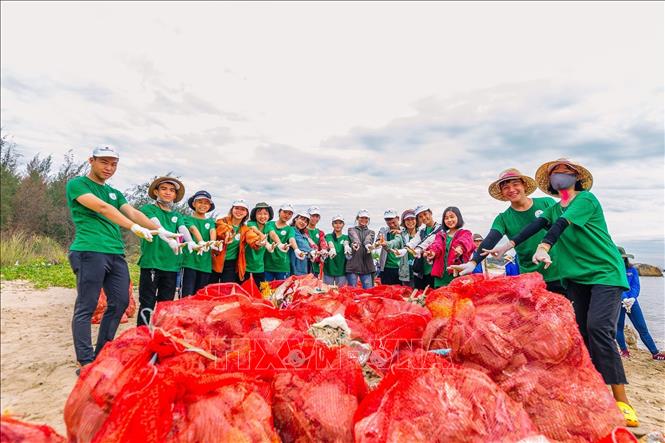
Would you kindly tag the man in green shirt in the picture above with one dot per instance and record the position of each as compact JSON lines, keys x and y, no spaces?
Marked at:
{"x":389,"y":262}
{"x":97,"y":255}
{"x":277,"y":265}
{"x":160,"y":261}
{"x":338,"y":246}
{"x":515,"y":187}
{"x":422,"y":268}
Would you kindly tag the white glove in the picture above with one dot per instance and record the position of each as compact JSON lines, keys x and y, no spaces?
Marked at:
{"x":369,"y":248}
{"x":499,"y":251}
{"x":464,"y":269}
{"x":191,"y":246}
{"x":418,"y":252}
{"x":399,"y":253}
{"x":313,"y":254}
{"x":163,"y":233}
{"x":332,"y":252}
{"x":202,"y":247}
{"x":262,"y":242}
{"x":141,"y":232}
{"x":174,"y":245}
{"x":301,"y":255}
{"x":541,"y":255}
{"x":270,"y":247}
{"x":347,"y":248}
{"x":217,"y":246}
{"x":628,"y":303}
{"x":283,"y":247}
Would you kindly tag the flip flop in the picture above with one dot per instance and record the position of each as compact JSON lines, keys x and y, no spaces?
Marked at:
{"x":629,"y":414}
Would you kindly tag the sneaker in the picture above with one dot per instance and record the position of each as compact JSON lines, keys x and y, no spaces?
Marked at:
{"x":625,"y":353}
{"x":658,"y":356}
{"x":629,"y":414}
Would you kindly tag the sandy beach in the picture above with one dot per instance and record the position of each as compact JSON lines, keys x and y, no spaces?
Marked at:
{"x":38,"y":364}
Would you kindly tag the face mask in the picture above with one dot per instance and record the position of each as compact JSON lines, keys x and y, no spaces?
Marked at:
{"x":562,"y":181}
{"x":167,"y":204}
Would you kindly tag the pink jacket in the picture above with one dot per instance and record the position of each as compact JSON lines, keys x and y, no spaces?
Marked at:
{"x":462,"y":238}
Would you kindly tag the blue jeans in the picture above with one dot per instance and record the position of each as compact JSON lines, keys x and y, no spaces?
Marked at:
{"x":270,"y":276}
{"x":637,"y":319}
{"x":366,"y":280}
{"x":338,"y":281}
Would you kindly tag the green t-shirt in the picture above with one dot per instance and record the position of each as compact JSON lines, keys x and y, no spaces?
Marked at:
{"x":157,"y":254}
{"x":392,"y":261}
{"x":314,"y":235}
{"x":203,"y":262}
{"x":335,"y":267}
{"x":232,"y":248}
{"x":510,"y":222}
{"x":278,"y":261}
{"x":427,"y":268}
{"x":255,"y":257}
{"x":585,"y":250}
{"x":445,"y":278}
{"x":94,"y":232}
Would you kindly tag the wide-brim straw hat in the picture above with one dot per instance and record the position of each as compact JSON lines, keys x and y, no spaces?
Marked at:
{"x":511,"y":174}
{"x":543,"y":175}
{"x":179,"y":187}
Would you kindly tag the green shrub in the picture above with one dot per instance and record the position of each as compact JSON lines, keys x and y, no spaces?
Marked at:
{"x":19,"y":248}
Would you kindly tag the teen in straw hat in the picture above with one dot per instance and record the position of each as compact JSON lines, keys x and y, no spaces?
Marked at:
{"x":514,"y":187}
{"x":590,"y":266}
{"x":160,"y":261}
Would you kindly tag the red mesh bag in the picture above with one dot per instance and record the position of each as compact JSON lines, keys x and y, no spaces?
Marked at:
{"x":526,"y":339}
{"x":17,"y":431}
{"x":317,"y":400}
{"x":101,"y":307}
{"x":220,"y":290}
{"x":425,"y":398}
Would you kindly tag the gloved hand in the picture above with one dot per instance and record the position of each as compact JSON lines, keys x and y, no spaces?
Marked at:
{"x":202,"y":247}
{"x":347,"y":248}
{"x":299,"y":254}
{"x":313,"y":254}
{"x":191,"y":246}
{"x":499,"y":251}
{"x":283,"y":247}
{"x":399,"y":253}
{"x":628,"y":303}
{"x":174,"y":245}
{"x":464,"y":269}
{"x":369,"y":248}
{"x":541,"y":256}
{"x":270,"y":247}
{"x":332,"y":252}
{"x":355,"y":246}
{"x":164,"y":234}
{"x":217,"y":246}
{"x":141,"y":232}
{"x":262,"y":242}
{"x":418,"y":252}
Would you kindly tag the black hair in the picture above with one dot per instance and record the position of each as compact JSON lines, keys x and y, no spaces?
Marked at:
{"x":252,"y":214}
{"x":627,"y":263}
{"x":455,"y":210}
{"x":578,"y":187}
{"x":303,"y":230}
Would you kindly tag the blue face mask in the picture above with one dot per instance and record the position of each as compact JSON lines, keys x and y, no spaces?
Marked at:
{"x":562,"y":181}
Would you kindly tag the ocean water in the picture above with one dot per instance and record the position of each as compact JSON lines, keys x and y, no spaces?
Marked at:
{"x":652,"y":301}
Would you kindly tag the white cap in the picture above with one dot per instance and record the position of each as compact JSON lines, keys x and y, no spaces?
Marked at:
{"x":338,"y":218}
{"x":303,"y":214}
{"x":241,"y":202}
{"x":314,"y":210}
{"x":390,"y":213}
{"x":286,"y":207}
{"x":363,"y":213}
{"x":105,"y":152}
{"x":421,"y":208}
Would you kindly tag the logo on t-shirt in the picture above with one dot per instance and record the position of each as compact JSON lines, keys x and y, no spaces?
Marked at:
{"x":174,"y":219}
{"x":207,"y":225}
{"x":283,"y":232}
{"x":112,"y":196}
{"x":538,"y":213}
{"x":237,"y":237}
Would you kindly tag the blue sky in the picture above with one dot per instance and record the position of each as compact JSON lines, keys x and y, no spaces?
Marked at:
{"x":349,"y":105}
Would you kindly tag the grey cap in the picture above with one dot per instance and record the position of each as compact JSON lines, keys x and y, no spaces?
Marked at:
{"x":106,"y":151}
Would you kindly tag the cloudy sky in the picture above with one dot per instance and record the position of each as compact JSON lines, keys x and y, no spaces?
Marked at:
{"x":349,"y":105}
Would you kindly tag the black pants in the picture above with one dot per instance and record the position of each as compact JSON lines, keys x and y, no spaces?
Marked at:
{"x":193,"y":280}
{"x":390,"y":276}
{"x":155,"y":285}
{"x":259,"y":277}
{"x":597,"y":311}
{"x":94,"y":271}
{"x":556,"y":286}
{"x":229,"y":274}
{"x":422,"y":283}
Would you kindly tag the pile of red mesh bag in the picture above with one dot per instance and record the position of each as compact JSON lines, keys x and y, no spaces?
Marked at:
{"x":226,"y":364}
{"x":101,"y":307}
{"x":17,"y":431}
{"x":527,"y":341}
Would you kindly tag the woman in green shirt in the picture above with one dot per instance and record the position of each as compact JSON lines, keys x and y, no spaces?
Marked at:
{"x":197,"y":262}
{"x":590,"y":266}
{"x":334,"y":266}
